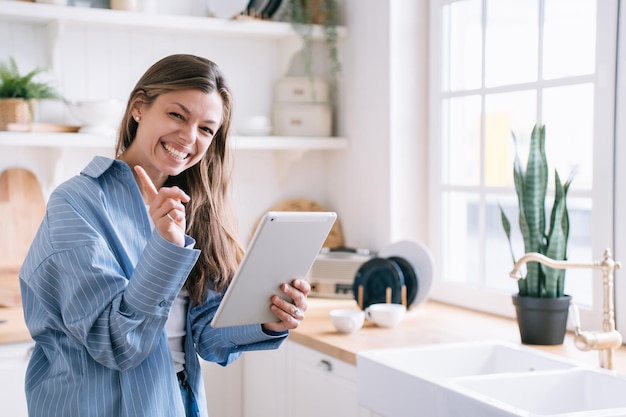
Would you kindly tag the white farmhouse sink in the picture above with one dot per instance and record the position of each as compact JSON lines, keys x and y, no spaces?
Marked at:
{"x":484,"y":379}
{"x":441,"y":362}
{"x":561,"y":393}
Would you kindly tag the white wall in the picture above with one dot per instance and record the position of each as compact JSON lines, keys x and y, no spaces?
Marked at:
{"x":377,"y":186}
{"x":381,"y":190}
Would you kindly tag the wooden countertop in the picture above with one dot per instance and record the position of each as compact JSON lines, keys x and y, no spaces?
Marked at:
{"x":428,"y":323}
{"x":12,"y":326}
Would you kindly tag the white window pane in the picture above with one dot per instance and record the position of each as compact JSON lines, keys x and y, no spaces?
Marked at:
{"x":578,"y":282}
{"x":498,"y":258}
{"x":506,"y":113}
{"x":461,"y":141}
{"x":569,"y":38}
{"x":462,"y":45}
{"x":460,"y":238}
{"x":511,"y":42}
{"x":568,"y":116}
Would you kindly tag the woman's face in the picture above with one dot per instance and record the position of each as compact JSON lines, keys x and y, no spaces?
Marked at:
{"x":174,"y":133}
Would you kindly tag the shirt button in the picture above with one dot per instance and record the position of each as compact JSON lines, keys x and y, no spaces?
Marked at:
{"x":162,"y":303}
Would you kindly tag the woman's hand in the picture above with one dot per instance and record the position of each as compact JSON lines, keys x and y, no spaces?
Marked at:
{"x":289,"y":314}
{"x":166,"y":208}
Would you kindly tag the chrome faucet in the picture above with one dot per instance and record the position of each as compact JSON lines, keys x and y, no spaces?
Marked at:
{"x":609,"y":339}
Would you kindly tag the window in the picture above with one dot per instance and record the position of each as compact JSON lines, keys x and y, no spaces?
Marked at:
{"x":505,"y":65}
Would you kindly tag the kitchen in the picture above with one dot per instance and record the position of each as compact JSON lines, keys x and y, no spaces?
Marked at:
{"x":388,"y":84}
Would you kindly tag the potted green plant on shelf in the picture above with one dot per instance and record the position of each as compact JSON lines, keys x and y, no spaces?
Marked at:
{"x":18,"y":93}
{"x":542,"y":289}
{"x":303,"y":14}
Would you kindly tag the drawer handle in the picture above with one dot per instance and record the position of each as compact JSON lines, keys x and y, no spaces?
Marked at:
{"x":326,"y":365}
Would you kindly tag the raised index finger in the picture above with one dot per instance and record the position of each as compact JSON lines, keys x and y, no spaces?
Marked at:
{"x":146,"y":183}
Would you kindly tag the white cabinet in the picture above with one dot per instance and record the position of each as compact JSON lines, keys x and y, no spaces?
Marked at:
{"x":321,"y":385}
{"x":13,"y":362}
{"x":296,"y":381}
{"x":264,"y":385}
{"x":223,"y":388}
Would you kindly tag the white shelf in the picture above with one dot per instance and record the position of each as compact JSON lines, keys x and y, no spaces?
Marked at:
{"x":83,"y":140}
{"x":55,"y":140}
{"x":288,"y":143}
{"x":45,"y":13}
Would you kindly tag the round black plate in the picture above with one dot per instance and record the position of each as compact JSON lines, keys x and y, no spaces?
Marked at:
{"x":410,"y":278}
{"x":271,"y":8}
{"x":376,"y":275}
{"x":255,"y":7}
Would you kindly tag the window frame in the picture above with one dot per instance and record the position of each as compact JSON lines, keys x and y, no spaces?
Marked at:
{"x":498,"y":302}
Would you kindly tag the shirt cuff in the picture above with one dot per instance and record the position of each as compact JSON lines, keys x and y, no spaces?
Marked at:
{"x":159,"y":276}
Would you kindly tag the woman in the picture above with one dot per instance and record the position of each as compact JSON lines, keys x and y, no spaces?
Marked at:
{"x":133,"y":256}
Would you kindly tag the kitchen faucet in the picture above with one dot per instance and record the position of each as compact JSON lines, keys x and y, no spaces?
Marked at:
{"x":609,"y":339}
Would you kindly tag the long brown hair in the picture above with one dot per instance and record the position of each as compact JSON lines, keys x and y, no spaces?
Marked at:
{"x":210,"y":217}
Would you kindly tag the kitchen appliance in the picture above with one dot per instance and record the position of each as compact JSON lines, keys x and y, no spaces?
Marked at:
{"x":333,"y":271}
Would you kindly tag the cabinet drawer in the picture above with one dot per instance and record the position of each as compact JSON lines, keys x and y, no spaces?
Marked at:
{"x":302,"y":90}
{"x":302,"y":120}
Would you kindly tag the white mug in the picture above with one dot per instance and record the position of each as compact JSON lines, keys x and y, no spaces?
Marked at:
{"x":347,"y":321}
{"x":384,"y":314}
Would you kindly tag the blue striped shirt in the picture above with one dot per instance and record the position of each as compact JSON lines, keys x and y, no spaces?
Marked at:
{"x":97,"y":286}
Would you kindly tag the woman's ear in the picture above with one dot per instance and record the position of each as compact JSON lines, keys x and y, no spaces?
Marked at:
{"x":137,"y":105}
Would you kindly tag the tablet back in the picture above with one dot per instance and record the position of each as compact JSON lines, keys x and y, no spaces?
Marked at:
{"x":283,"y":247}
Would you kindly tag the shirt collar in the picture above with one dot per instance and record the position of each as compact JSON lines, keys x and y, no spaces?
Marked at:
{"x":100,"y":164}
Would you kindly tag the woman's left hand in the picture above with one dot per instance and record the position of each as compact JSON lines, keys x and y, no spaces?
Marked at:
{"x":289,"y":314}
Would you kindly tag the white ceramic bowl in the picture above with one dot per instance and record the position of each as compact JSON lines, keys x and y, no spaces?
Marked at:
{"x":385,"y":315}
{"x":98,"y":116}
{"x":347,"y":321}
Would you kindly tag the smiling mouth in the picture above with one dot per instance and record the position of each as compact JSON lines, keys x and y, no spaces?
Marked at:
{"x":175,"y":153}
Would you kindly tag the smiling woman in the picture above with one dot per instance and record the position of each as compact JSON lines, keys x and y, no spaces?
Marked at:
{"x":133,"y":258}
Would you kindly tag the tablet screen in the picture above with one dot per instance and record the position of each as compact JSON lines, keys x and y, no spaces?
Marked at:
{"x":283,"y":247}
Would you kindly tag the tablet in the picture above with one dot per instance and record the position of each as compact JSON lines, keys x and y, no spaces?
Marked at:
{"x":283,"y":247}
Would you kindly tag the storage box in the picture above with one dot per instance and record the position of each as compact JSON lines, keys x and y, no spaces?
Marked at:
{"x":302,"y":90}
{"x":302,"y":119}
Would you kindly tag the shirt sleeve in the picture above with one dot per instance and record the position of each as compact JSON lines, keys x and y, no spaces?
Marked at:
{"x":224,"y":345}
{"x":117,"y":313}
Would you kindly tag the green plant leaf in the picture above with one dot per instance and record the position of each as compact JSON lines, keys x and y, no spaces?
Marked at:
{"x":15,"y":85}
{"x":506,"y":225}
{"x":531,"y":186}
{"x":557,"y":243}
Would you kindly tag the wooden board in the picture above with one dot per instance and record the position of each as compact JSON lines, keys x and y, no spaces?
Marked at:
{"x":41,"y":127}
{"x":22,"y":207}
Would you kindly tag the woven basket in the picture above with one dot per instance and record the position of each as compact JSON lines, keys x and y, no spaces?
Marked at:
{"x":16,"y":110}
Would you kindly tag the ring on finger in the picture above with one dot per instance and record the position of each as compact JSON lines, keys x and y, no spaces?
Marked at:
{"x":296,"y":312}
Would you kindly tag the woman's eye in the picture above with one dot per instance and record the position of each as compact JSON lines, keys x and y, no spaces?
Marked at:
{"x":207,"y":130}
{"x":177,"y":115}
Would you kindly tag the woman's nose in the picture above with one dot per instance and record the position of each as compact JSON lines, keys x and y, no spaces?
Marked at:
{"x":188,"y":133}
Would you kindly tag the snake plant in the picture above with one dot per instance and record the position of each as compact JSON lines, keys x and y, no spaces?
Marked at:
{"x":531,"y":185}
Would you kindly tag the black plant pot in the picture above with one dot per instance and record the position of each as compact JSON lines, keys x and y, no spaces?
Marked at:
{"x":542,"y":321}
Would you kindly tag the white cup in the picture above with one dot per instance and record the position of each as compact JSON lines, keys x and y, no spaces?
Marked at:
{"x":385,"y":315}
{"x":347,"y":321}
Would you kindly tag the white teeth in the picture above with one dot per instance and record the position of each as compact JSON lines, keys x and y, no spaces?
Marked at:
{"x":174,"y":152}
